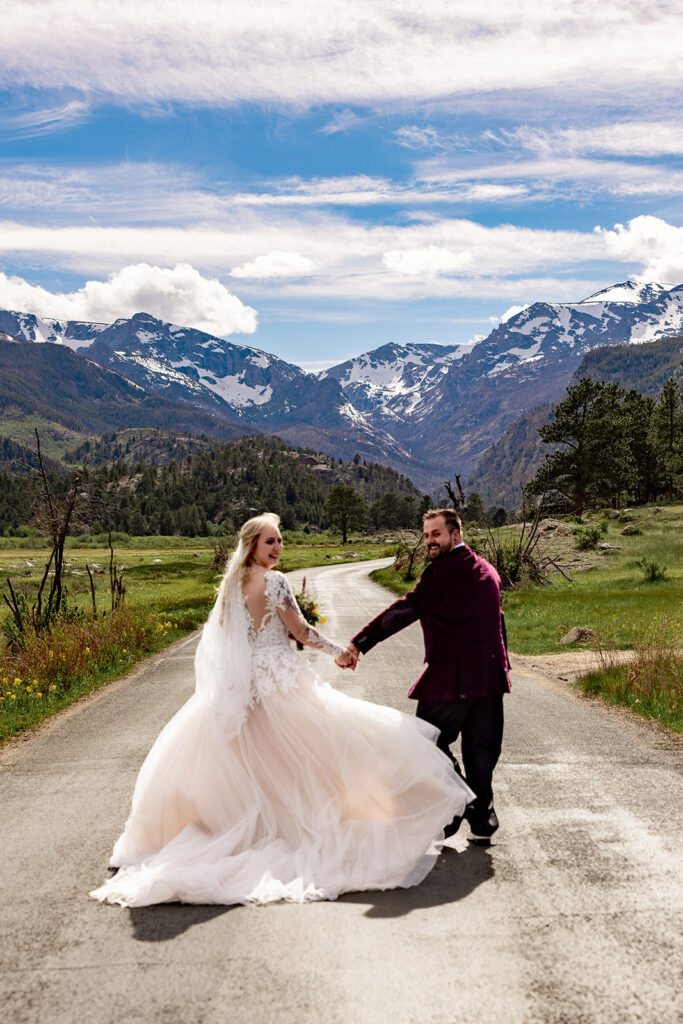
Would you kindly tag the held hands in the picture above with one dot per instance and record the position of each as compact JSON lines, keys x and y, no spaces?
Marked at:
{"x":348,"y":658}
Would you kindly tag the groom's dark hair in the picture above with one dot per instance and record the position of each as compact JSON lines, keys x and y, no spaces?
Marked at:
{"x":450,"y":517}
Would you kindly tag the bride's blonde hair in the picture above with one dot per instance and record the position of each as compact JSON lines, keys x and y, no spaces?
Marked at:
{"x":241,"y":558}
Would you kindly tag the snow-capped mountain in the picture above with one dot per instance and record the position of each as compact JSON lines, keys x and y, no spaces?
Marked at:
{"x":447,"y":408}
{"x":193,"y":366}
{"x":234,"y":382}
{"x":392,"y":380}
{"x":428,"y":410}
{"x":30,"y":327}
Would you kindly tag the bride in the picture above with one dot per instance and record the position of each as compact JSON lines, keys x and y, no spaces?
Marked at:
{"x":268,"y":784}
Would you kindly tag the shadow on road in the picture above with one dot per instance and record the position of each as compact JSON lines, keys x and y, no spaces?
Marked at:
{"x":165,"y":921}
{"x":455,"y":876}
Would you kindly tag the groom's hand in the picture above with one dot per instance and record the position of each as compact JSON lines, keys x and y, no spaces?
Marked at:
{"x":348,"y":658}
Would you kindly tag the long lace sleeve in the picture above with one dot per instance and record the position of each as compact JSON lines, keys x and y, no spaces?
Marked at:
{"x":290,"y":613}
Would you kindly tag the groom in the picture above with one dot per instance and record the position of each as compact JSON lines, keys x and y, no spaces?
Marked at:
{"x":457,"y":601}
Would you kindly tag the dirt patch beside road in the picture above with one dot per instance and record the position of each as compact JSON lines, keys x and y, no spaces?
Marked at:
{"x":569,"y":665}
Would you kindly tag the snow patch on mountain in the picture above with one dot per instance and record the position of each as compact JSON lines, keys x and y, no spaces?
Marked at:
{"x":234,"y":391}
{"x":626,"y":291}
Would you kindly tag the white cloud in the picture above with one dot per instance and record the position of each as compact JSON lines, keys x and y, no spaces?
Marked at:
{"x":342,"y":121}
{"x":557,"y":176}
{"x":413,"y":137}
{"x":306,"y":52}
{"x":179,"y":295}
{"x":423,"y":258}
{"x":619,"y":138}
{"x":41,"y":122}
{"x":426,"y":262}
{"x":650,"y":242}
{"x":510,"y":312}
{"x":276,"y":264}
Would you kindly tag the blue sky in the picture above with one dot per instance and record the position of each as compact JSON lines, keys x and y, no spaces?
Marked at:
{"x":317,"y":179}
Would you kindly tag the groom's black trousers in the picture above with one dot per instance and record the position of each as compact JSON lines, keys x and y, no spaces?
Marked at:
{"x":479,"y":720}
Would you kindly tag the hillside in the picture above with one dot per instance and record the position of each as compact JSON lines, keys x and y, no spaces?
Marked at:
{"x":213,"y":490}
{"x":513,"y":460}
{"x":71,"y":399}
{"x":643,"y":367}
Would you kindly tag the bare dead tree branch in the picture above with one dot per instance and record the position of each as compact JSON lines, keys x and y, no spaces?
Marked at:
{"x":92,"y":589}
{"x":459,"y":501}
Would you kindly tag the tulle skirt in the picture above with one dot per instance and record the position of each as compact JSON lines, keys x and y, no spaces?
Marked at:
{"x":318,"y":794}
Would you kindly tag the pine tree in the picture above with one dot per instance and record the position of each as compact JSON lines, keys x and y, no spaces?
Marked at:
{"x":666,"y":431}
{"x":595,"y":462}
{"x":345,"y":509}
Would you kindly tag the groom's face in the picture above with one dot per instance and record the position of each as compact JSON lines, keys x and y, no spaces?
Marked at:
{"x":438,"y":538}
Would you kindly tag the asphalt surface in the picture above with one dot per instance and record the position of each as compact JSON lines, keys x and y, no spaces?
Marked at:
{"x":573,"y":916}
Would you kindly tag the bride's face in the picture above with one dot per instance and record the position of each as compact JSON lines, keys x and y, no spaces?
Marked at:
{"x":268,"y":548}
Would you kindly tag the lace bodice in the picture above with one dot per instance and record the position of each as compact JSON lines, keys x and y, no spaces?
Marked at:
{"x":274,"y":663}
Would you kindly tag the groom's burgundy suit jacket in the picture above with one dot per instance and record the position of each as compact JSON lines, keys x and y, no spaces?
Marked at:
{"x":457,"y":601}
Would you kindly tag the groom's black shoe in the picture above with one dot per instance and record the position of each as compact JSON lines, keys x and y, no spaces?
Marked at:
{"x":481,"y":827}
{"x":452,"y":828}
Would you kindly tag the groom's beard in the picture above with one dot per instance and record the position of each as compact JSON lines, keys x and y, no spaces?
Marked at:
{"x":435,"y":551}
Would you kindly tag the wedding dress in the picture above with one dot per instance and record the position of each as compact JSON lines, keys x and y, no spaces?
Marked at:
{"x":269,"y":784}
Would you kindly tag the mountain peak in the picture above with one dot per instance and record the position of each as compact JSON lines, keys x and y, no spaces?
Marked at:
{"x":626,"y":291}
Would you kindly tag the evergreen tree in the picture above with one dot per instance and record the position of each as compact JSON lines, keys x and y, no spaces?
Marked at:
{"x":595,"y":462}
{"x":666,"y":430}
{"x":638,"y":411}
{"x":345,"y":509}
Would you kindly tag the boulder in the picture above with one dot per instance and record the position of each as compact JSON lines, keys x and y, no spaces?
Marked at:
{"x":579,"y":635}
{"x":604,"y":546}
{"x":630,"y":530}
{"x":613,"y":514}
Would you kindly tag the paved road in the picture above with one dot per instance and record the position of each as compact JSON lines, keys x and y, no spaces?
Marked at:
{"x":573,"y":917}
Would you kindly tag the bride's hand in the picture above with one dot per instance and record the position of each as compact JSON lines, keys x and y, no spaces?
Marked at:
{"x":347,"y":659}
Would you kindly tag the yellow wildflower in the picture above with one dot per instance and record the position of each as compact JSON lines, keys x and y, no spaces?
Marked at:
{"x":14,"y":696}
{"x":39,"y":694}
{"x":17,"y":681}
{"x":87,"y":650}
{"x":35,"y":682}
{"x":53,"y":687}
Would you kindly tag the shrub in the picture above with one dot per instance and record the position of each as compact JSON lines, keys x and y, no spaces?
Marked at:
{"x":651,"y":684}
{"x":651,"y":569}
{"x":58,"y":665}
{"x":587,"y":536}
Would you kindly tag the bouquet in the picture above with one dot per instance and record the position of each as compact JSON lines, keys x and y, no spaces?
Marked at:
{"x":309,"y":610}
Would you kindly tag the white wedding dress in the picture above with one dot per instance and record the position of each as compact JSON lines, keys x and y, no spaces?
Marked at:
{"x":294,"y":792}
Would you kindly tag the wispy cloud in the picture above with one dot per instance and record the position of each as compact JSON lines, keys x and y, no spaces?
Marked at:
{"x":276,"y":264}
{"x":342,"y":121}
{"x":32,"y":123}
{"x":375,"y":53}
{"x":351,"y":259}
{"x":559,"y":176}
{"x":619,"y":138}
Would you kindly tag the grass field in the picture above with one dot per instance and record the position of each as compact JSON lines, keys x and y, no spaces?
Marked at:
{"x":169,"y":575}
{"x":170,"y":587}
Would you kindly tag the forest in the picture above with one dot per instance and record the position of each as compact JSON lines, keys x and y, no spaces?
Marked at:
{"x":212,"y":492}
